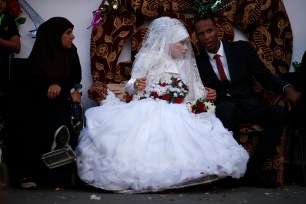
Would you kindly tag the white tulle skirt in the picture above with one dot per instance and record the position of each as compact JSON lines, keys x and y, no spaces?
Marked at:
{"x":152,"y":146}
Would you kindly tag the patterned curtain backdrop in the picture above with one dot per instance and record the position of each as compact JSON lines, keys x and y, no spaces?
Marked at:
{"x":264,"y":22}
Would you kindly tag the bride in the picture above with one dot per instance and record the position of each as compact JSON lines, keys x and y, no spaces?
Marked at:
{"x":166,"y":135}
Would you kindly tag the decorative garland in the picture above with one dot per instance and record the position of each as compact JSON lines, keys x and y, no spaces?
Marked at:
{"x":215,"y":6}
{"x":107,"y":7}
{"x":14,"y":10}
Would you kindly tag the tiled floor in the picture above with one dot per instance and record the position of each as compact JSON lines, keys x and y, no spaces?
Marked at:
{"x":197,"y":194}
{"x":293,"y":192}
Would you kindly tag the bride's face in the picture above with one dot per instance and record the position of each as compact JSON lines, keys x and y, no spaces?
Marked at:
{"x":178,"y":49}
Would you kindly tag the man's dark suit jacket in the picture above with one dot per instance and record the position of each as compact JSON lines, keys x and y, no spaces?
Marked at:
{"x":243,"y":64}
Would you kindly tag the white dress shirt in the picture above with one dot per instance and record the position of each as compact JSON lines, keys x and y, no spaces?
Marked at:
{"x":223,"y":60}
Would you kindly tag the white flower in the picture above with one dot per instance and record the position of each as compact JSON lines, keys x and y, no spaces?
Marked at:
{"x":189,"y":106}
{"x":210,"y":107}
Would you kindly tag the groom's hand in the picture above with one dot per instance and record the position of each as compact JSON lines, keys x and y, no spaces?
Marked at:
{"x":211,"y":94}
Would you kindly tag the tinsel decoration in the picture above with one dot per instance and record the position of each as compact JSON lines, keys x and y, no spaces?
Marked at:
{"x":205,"y":7}
{"x":107,"y":7}
{"x":297,"y":66}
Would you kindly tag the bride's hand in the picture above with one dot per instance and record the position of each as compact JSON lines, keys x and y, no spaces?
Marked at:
{"x":211,"y":94}
{"x":140,"y":84}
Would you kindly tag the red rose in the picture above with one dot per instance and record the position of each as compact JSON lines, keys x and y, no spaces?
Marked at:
{"x":128,"y":98}
{"x":163,"y":84}
{"x":166,"y":97}
{"x":154,"y":94}
{"x":179,"y":100}
{"x":174,"y":81}
{"x":201,"y":107}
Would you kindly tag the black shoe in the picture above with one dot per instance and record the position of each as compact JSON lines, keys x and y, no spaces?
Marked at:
{"x":28,"y":183}
{"x":61,"y":138}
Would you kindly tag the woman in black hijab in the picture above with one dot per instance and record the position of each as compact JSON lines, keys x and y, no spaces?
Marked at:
{"x":53,"y":70}
{"x":54,"y":63}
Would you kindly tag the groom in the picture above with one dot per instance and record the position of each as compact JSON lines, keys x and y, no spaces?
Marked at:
{"x":230,"y":74}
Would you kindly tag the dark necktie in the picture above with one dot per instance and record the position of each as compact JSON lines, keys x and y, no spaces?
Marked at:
{"x":220,"y":68}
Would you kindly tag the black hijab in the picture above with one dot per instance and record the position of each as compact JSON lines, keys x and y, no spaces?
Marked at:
{"x":48,"y":58}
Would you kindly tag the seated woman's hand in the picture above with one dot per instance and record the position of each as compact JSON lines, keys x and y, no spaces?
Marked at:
{"x":76,"y":97}
{"x":140,"y":84}
{"x":54,"y":91}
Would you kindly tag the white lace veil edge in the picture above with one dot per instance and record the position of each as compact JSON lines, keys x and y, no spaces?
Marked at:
{"x":155,"y":50}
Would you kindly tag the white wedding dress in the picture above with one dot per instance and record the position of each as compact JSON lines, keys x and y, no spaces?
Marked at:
{"x":148,"y":145}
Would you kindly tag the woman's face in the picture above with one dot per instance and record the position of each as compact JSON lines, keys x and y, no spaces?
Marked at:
{"x":2,"y":5}
{"x":67,"y":38}
{"x":178,"y":49}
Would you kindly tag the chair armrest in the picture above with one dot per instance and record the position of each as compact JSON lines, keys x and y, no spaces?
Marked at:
{"x":97,"y":91}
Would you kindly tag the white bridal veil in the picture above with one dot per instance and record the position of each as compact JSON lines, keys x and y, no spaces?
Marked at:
{"x":154,"y":55}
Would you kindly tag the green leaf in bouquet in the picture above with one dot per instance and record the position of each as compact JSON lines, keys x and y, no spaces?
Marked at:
{"x":21,"y":20}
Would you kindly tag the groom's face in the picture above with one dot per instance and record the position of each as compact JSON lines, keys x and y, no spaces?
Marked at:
{"x":207,"y":34}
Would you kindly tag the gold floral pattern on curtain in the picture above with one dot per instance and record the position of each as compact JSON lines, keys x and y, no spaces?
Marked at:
{"x":264,"y":22}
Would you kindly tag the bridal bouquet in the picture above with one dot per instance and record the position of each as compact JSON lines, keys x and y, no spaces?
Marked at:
{"x":172,"y":90}
{"x":201,"y":105}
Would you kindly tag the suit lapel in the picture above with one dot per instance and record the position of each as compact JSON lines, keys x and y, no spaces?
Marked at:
{"x":207,"y":74}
